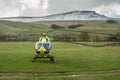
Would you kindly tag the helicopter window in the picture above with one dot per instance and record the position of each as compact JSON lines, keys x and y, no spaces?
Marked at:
{"x":38,"y":45}
{"x":47,"y":45}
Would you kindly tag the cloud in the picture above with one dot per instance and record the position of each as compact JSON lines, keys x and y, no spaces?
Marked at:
{"x":111,"y":10}
{"x":7,"y":9}
{"x":23,"y":7}
{"x":32,"y":7}
{"x":45,"y":7}
{"x":106,"y":7}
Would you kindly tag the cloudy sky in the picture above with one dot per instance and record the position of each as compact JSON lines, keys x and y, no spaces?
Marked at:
{"x":11,"y":8}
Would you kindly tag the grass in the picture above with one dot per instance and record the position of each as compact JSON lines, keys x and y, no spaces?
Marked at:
{"x":16,"y":57}
{"x":8,"y":27}
{"x":100,"y":30}
{"x":106,"y":77}
{"x":97,"y":43}
{"x":16,"y":28}
{"x":23,"y":25}
{"x":31,"y":31}
{"x":99,"y":26}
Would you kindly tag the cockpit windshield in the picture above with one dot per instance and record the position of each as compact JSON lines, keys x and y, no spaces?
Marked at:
{"x":38,"y":45}
{"x":46,"y":45}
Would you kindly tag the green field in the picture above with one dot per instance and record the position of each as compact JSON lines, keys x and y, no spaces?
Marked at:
{"x":99,"y":26}
{"x":73,"y":61}
{"x":16,"y":28}
{"x":15,"y":57}
{"x":96,"y":31}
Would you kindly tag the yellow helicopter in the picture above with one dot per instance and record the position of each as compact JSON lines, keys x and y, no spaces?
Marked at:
{"x":43,"y":49}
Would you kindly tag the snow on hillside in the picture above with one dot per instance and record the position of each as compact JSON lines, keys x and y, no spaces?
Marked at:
{"x":74,"y":15}
{"x":77,"y":15}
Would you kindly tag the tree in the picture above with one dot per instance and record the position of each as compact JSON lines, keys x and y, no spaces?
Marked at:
{"x":111,"y":21}
{"x":54,"y":26}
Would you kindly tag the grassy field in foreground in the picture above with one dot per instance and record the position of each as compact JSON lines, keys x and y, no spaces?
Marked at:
{"x":103,"y":77}
{"x":16,"y":57}
{"x":96,"y":43}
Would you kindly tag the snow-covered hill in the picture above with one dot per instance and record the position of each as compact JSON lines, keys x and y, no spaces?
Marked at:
{"x":73,"y":15}
{"x":76,"y":15}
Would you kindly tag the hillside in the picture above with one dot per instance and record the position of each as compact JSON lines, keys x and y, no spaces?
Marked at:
{"x":95,"y":26}
{"x":17,"y":28}
{"x":77,"y":15}
{"x":95,"y":30}
{"x":73,"y":15}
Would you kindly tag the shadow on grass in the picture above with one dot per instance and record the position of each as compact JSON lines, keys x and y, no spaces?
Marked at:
{"x":43,"y":60}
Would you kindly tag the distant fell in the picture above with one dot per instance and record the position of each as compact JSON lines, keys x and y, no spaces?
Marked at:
{"x":76,"y":15}
{"x":73,"y":15}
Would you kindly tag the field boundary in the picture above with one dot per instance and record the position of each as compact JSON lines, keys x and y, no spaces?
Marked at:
{"x":117,"y":44}
{"x":20,"y":75}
